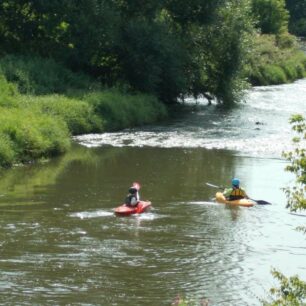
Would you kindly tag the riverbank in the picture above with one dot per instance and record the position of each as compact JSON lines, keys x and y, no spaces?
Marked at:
{"x":276,"y":59}
{"x":39,"y":111}
{"x":43,"y":104}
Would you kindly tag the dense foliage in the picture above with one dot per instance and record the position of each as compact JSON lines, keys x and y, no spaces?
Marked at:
{"x":39,"y":126}
{"x":276,"y":56}
{"x":272,"y":16}
{"x":276,"y":59}
{"x":167,"y":48}
{"x":63,"y":59}
{"x":292,"y":290}
{"x":296,"y":196}
{"x":297,"y":21}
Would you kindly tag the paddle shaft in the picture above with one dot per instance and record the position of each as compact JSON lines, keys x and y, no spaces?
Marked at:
{"x":215,"y":186}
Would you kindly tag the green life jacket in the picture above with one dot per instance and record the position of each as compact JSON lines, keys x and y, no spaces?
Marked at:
{"x":236,"y":194}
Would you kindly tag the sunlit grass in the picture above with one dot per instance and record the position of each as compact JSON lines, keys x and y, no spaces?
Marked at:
{"x":42,"y":104}
{"x":125,"y":110}
{"x":27,"y":135}
{"x":276,"y":60}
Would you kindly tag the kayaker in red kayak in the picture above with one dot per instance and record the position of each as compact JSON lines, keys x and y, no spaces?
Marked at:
{"x":235,"y":192}
{"x":133,"y":197}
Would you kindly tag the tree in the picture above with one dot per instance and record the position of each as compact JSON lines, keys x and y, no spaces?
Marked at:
{"x":152,"y":59}
{"x":224,"y":46}
{"x":296,"y":199}
{"x":199,"y":12}
{"x":271,"y":15}
{"x":297,"y":21}
{"x":168,"y":48}
{"x":80,"y":34}
{"x":292,"y":290}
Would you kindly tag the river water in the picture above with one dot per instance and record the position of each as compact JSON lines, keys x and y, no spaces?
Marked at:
{"x":61,"y":244}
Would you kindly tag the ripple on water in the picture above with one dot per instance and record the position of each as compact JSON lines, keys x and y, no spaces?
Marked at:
{"x":258,"y":127}
{"x":91,"y":214}
{"x":205,"y":249}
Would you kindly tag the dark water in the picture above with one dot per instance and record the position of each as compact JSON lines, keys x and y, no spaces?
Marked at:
{"x":62,"y":245}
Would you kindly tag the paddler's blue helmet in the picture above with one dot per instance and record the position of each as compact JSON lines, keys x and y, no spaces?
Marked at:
{"x":235,"y":182}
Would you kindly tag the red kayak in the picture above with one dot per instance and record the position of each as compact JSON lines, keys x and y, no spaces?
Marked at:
{"x":125,"y":210}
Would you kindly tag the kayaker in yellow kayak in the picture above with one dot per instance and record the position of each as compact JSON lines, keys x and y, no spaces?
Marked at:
{"x":235,"y":192}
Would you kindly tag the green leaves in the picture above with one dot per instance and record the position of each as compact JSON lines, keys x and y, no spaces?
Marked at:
{"x":297,"y":165}
{"x":271,"y":15}
{"x":297,"y":21}
{"x":169,"y":48}
{"x":292,"y":291}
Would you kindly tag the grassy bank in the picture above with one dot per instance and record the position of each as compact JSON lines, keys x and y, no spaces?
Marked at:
{"x":42,"y":104}
{"x":276,"y":60}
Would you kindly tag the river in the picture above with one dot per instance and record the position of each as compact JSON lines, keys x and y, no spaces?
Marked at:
{"x":61,"y":244}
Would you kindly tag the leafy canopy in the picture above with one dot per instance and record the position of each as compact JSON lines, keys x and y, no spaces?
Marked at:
{"x":168,"y":48}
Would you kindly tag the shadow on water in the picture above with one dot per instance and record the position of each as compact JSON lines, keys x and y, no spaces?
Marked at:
{"x":106,"y":173}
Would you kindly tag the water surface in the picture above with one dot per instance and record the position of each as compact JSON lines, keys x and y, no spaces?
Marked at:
{"x":62,"y":244}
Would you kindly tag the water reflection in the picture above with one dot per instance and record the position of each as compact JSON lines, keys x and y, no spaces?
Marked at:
{"x":72,"y":247}
{"x":62,"y":244}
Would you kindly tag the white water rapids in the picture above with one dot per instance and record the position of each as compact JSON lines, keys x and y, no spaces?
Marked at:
{"x":257,"y":127}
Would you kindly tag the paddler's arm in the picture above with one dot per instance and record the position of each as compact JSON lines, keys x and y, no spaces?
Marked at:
{"x":244,"y":193}
{"x":227,"y":192}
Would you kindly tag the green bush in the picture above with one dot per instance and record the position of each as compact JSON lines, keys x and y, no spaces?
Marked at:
{"x":123,"y":110}
{"x":290,"y":70}
{"x":36,"y":126}
{"x":7,"y":153}
{"x":294,"y":67}
{"x":271,"y":62}
{"x":78,"y":115}
{"x":273,"y":74}
{"x":271,"y":16}
{"x":292,"y":291}
{"x":7,"y":93}
{"x":286,"y":41}
{"x":34,"y":75}
{"x":31,"y":135}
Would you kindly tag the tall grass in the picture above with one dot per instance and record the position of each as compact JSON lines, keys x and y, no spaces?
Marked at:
{"x":26,"y":135}
{"x":35,"y":75}
{"x":276,"y":60}
{"x":36,"y":121}
{"x":8,"y":92}
{"x":77,"y":114}
{"x":123,"y":110}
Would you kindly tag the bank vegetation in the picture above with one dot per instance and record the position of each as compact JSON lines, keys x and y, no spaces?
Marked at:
{"x":45,"y":104}
{"x":74,"y":67}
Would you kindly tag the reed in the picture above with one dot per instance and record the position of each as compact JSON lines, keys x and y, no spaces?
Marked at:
{"x":77,"y":114}
{"x":26,"y":135}
{"x":125,"y":110}
{"x":35,"y":75}
{"x":42,"y":104}
{"x":276,"y":60}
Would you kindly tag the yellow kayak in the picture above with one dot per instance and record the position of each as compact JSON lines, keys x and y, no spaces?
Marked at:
{"x":242,"y":202}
